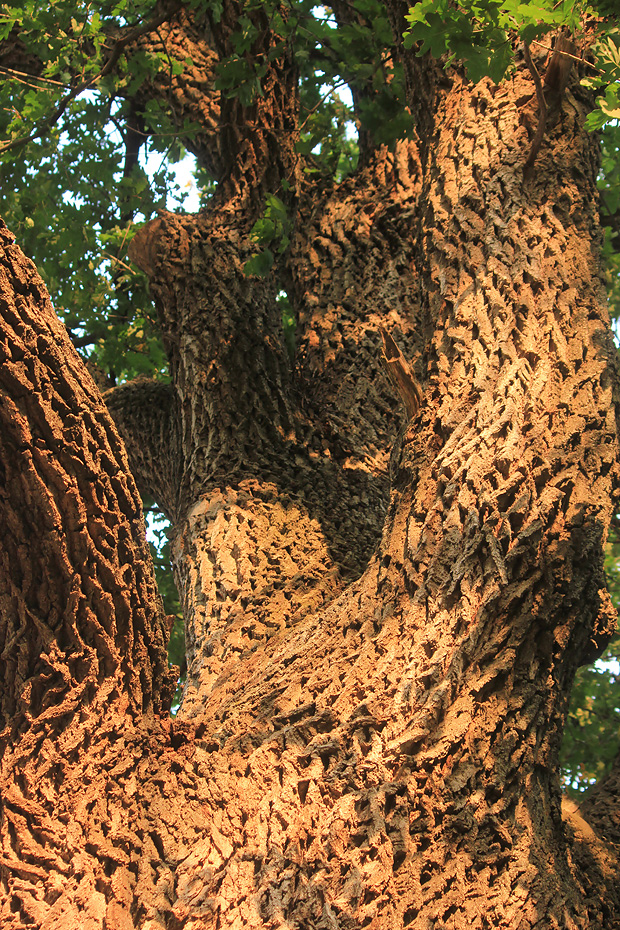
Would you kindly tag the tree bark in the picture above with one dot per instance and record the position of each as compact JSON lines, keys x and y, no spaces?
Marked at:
{"x":284,"y":478}
{"x":376,"y":692}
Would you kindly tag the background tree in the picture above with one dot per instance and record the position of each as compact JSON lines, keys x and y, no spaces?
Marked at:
{"x":376,"y":686}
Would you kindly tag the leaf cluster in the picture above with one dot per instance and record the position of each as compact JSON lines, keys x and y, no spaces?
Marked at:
{"x":592,"y":731}
{"x":80,"y":204}
{"x":605,"y":78}
{"x":356,"y":52}
{"x":482,"y":34}
{"x":271,"y":233}
{"x":160,"y":551}
{"x":241,"y":73}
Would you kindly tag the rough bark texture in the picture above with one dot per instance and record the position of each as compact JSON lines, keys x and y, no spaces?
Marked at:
{"x":366,"y":740}
{"x":62,"y":461}
{"x":82,"y":629}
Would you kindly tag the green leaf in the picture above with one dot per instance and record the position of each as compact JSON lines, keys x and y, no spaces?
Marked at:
{"x":260,"y":264}
{"x":477,"y":33}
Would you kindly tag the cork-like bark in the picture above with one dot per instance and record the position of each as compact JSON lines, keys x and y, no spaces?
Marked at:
{"x":81,"y":625}
{"x":67,"y":585}
{"x":266,"y":444}
{"x":283,"y":487}
{"x":376,"y":688}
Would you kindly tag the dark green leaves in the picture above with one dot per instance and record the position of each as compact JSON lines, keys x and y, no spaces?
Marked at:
{"x":271,"y":234}
{"x":479,"y":34}
{"x":592,"y":729}
{"x":238,"y":77}
{"x":241,"y":73}
{"x":338,"y":61}
{"x":260,"y":264}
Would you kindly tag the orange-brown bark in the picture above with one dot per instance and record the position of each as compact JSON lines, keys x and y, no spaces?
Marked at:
{"x":80,"y":609}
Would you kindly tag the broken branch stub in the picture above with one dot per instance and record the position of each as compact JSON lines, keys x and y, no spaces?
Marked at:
{"x":400,"y":374}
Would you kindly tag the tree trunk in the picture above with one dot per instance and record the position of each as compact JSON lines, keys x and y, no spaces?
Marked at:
{"x":376,"y":688}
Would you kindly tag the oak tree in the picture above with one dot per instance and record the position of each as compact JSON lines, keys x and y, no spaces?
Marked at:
{"x":385,"y":603}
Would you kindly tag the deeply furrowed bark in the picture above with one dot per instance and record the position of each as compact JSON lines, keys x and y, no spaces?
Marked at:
{"x":285,"y":474}
{"x":81,"y":626}
{"x":59,"y":447}
{"x":386,"y":757}
{"x":191,"y":96}
{"x":436,"y":743}
{"x":285,"y":483}
{"x":402,"y":748}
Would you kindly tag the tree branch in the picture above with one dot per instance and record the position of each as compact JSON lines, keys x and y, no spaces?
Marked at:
{"x":145,"y":413}
{"x":542,"y":114}
{"x":550,"y":95}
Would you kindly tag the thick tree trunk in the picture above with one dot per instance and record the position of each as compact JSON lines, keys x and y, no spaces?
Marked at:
{"x":365,"y":740}
{"x":285,"y":472}
{"x":82,"y":629}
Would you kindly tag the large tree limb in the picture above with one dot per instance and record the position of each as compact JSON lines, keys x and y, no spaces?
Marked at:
{"x":88,"y":608}
{"x":147,"y":416}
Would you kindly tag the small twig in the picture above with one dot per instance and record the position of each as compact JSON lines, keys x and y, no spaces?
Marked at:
{"x":313,"y":109}
{"x":116,"y":259}
{"x":21,"y":75}
{"x":88,"y":339}
{"x":115,"y":54}
{"x":609,"y":220}
{"x":578,"y":58}
{"x":542,"y":113}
